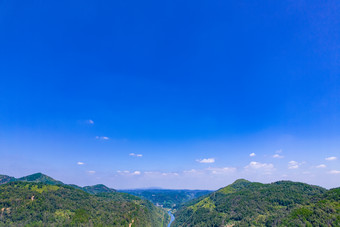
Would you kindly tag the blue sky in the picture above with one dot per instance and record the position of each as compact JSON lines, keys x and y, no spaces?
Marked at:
{"x":173,"y":94}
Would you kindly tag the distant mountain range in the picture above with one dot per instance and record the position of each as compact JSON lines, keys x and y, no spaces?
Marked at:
{"x":167,"y":198}
{"x":39,"y":200}
{"x":245,"y":203}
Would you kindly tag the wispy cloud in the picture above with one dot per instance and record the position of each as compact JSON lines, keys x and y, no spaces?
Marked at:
{"x":136,"y":172}
{"x":252,"y":154}
{"x":278,"y":156}
{"x":160,"y":174}
{"x":223,"y":170}
{"x":80,"y":163}
{"x":190,"y":171}
{"x":136,"y":155}
{"x":334,"y":172}
{"x":102,"y":138}
{"x":128,"y":173}
{"x":90,"y":122}
{"x":294,"y":164}
{"x":91,"y":172}
{"x":321,"y":166}
{"x":331,"y":158}
{"x":206,"y":160}
{"x":259,"y":165}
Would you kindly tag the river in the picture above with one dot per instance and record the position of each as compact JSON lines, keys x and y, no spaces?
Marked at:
{"x":172,"y":218}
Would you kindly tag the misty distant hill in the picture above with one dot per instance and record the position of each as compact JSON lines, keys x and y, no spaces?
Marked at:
{"x":166,"y":197}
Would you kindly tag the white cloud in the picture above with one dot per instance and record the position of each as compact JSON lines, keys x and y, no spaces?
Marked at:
{"x":334,"y":172}
{"x":206,"y":160}
{"x":160,"y":174}
{"x":252,"y":154}
{"x":277,"y":156}
{"x":258,"y":165}
{"x":321,"y":166}
{"x":293,"y":165}
{"x":331,"y":158}
{"x":102,"y":138}
{"x":190,"y":171}
{"x":91,"y":172}
{"x":80,"y":163}
{"x":90,"y":122}
{"x":123,"y":171}
{"x":223,"y":170}
{"x":136,"y":155}
{"x":128,"y":173}
{"x":136,"y":173}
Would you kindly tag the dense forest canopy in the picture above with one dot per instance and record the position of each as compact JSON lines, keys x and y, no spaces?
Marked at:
{"x":39,"y":200}
{"x":245,"y":203}
{"x":49,"y":203}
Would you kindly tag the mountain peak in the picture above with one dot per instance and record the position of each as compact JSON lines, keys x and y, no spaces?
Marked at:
{"x":40,"y":178}
{"x":237,"y":185}
{"x":98,"y":188}
{"x":241,"y":181}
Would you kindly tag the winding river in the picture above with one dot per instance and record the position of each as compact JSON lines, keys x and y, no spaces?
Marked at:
{"x":172,"y":218}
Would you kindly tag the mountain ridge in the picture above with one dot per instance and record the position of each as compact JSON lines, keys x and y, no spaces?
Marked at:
{"x":281,"y":203}
{"x":42,"y":178}
{"x":24,"y":203}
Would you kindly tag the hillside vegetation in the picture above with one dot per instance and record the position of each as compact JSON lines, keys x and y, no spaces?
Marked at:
{"x":24,"y":203}
{"x":42,"y":178}
{"x":282,"y":203}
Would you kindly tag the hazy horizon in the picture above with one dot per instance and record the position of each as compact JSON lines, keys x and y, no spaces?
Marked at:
{"x":171,"y":94}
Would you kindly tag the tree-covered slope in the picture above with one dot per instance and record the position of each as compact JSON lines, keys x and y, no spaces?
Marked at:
{"x":5,"y":179}
{"x":38,"y":204}
{"x":98,"y":188}
{"x":40,"y":178}
{"x":167,"y":198}
{"x":244,"y":203}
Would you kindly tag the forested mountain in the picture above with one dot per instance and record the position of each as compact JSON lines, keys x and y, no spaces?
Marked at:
{"x":167,"y":198}
{"x":5,"y":179}
{"x":40,"y":204}
{"x":39,"y":200}
{"x":42,"y":178}
{"x":245,"y":203}
{"x":98,"y":188}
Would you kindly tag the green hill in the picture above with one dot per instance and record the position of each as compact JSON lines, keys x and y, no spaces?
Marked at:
{"x":40,"y":178}
{"x":41,"y":204}
{"x":245,"y":203}
{"x":5,"y":179}
{"x":99,"y":188}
